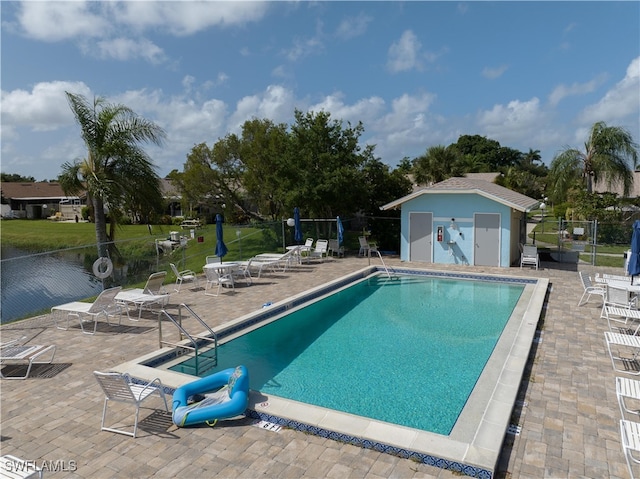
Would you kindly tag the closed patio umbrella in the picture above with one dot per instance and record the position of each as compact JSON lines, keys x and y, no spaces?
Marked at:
{"x":340,"y":231}
{"x":297,"y":229}
{"x":634,"y":261}
{"x":221,"y":248}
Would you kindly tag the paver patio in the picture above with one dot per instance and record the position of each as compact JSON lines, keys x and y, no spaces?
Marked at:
{"x":569,"y":415}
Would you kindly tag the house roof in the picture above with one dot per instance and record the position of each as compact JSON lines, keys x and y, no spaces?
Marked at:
{"x":459,"y":185}
{"x":42,"y":190}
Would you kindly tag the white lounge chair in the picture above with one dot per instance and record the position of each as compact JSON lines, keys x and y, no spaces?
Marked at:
{"x":12,"y":352}
{"x":590,"y":288}
{"x":529,"y":256}
{"x":217,"y":278}
{"x":182,"y":276}
{"x":619,"y":318}
{"x":623,"y":342}
{"x":152,"y":295}
{"x":104,"y":305}
{"x":12,"y":467}
{"x":630,"y":438}
{"x":628,"y":392}
{"x":273,"y":262}
{"x":121,"y":388}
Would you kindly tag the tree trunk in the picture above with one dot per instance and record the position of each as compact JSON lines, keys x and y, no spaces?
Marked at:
{"x":101,"y":227}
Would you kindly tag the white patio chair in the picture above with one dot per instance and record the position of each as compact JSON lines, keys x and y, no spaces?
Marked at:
{"x":12,"y":352}
{"x":121,"y":388}
{"x":628,"y":392}
{"x":630,"y":438}
{"x":320,"y":250}
{"x":335,"y":249}
{"x":216,"y":278}
{"x":529,"y":256}
{"x":186,"y":275}
{"x":590,"y":288}
{"x":366,"y":246}
{"x":243,"y":272}
{"x":619,"y":296}
{"x":104,"y":305}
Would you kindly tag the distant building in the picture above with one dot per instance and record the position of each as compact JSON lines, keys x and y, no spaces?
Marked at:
{"x":38,"y":200}
{"x":601,"y":187}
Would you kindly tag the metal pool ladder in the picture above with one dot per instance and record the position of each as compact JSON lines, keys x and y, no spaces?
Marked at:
{"x":194,"y":344}
{"x":381,"y":260}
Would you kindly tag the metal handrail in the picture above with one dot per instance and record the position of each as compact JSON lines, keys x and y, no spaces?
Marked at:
{"x":195,"y":339}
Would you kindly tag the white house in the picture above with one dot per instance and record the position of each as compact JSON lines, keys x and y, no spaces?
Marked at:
{"x":463,"y":221}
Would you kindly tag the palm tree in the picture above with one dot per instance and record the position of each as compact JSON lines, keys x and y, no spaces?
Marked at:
{"x":610,"y":154}
{"x":116,"y":172}
{"x":437,"y":164}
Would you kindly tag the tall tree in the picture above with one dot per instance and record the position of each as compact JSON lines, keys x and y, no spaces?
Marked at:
{"x":326,"y":165}
{"x":437,"y":164}
{"x":610,"y":154}
{"x":116,"y":171}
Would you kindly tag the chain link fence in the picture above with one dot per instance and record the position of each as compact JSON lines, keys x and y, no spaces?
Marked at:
{"x":32,"y":283}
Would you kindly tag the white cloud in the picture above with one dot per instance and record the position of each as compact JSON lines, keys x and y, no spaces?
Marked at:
{"x":303,"y":47}
{"x":405,"y":53}
{"x":519,"y":124}
{"x":186,"y":18}
{"x":276,"y":104}
{"x":622,"y":101}
{"x":127,"y":49}
{"x":54,"y":21}
{"x":367,"y":108}
{"x":493,"y":73}
{"x":562,"y":91}
{"x":43,"y":108}
{"x":353,"y":26}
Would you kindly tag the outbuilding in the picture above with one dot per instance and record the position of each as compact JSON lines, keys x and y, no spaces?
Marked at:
{"x":463,"y":220}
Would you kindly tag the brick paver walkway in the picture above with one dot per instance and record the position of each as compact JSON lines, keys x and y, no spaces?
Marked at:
{"x":569,"y":418}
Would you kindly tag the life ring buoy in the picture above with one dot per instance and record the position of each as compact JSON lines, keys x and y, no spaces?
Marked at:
{"x":102,"y":268}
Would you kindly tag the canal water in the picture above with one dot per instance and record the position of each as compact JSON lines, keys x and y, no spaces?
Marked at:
{"x":32,"y":284}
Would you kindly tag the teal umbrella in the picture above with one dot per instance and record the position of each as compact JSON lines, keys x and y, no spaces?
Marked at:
{"x":221,"y":248}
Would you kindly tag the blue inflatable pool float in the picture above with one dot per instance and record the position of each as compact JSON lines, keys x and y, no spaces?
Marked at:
{"x":226,"y":394}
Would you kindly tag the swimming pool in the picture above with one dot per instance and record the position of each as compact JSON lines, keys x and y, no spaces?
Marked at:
{"x":472,"y":447}
{"x":406,"y":351}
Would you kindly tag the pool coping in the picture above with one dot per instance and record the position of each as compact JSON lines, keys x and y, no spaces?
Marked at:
{"x":474,"y":445}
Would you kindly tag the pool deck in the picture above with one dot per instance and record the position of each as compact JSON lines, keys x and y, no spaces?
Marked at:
{"x":568,"y":415}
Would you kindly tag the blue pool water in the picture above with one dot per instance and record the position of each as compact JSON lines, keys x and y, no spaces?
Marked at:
{"x":406,"y":351}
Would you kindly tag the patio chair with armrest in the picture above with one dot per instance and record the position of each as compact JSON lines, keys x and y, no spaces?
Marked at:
{"x":365,"y":246}
{"x":121,"y":388}
{"x":182,"y":276}
{"x":590,"y":288}
{"x":529,"y":256}
{"x":216,"y":277}
{"x":320,"y":250}
{"x":104,"y":305}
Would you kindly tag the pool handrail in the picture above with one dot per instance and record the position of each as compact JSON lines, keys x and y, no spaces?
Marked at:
{"x":196,"y":340}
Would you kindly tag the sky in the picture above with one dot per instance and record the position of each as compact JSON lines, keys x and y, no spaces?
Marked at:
{"x":530,"y":75}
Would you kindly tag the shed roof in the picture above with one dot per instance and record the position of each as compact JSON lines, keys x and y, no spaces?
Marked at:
{"x":459,"y":185}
